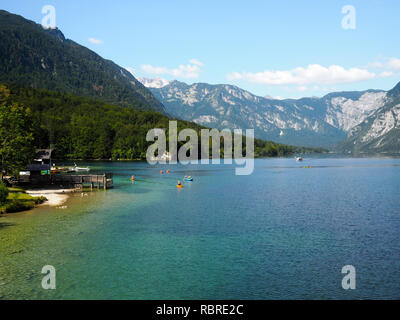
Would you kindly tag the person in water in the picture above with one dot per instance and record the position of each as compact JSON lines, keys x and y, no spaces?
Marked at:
{"x":179,"y":183}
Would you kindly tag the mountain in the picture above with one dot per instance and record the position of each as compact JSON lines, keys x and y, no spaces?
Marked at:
{"x":378,"y":133}
{"x":153,"y":83}
{"x":308,"y":121}
{"x":84,"y":128}
{"x":42,"y":58}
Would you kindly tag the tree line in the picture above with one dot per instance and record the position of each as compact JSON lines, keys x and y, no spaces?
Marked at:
{"x":83,"y":128}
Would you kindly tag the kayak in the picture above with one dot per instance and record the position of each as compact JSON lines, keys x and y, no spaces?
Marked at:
{"x":188,"y":179}
{"x":179,"y":186}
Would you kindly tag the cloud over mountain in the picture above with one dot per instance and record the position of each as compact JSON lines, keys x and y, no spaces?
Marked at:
{"x":95,"y":41}
{"x":313,"y":73}
{"x":190,"y":70}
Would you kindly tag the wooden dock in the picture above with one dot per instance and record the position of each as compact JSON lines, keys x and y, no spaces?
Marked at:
{"x":104,"y":181}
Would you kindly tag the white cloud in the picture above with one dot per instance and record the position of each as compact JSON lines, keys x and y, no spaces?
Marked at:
{"x":386,"y":74}
{"x":313,"y":73}
{"x":391,"y":64}
{"x":196,"y":62}
{"x":191,"y":70}
{"x":376,"y":64}
{"x":95,"y":41}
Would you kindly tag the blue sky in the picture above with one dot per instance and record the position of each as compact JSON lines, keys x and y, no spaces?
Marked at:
{"x":280,"y":48}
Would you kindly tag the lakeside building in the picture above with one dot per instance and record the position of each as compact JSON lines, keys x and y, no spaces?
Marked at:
{"x":40,"y":167}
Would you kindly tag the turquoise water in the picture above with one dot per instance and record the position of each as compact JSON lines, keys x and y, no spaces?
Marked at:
{"x":284,"y":232}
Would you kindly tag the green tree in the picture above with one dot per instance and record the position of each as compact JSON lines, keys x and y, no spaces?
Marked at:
{"x":3,"y":193}
{"x":16,"y":135}
{"x":82,"y":128}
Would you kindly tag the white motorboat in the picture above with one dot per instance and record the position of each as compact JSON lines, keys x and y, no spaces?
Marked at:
{"x":299,"y":159}
{"x":77,"y":169}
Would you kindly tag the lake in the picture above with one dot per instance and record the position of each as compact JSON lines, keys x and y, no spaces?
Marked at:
{"x":284,"y":232}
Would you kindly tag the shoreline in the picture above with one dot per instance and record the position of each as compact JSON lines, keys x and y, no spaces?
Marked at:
{"x":55,"y":197}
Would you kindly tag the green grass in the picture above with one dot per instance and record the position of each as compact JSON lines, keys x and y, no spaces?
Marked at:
{"x":16,"y":190}
{"x":18,"y":200}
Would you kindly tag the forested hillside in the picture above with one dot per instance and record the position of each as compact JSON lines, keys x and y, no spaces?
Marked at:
{"x":31,"y":56}
{"x":83,"y":128}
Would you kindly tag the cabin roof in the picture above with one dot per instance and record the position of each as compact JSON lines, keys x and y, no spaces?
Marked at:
{"x":43,"y":154}
{"x":38,"y":167}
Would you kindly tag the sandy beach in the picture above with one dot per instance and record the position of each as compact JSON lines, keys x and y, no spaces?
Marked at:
{"x":55,"y":197}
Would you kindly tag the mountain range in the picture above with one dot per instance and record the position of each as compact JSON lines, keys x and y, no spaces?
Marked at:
{"x":325,"y":121}
{"x":380,"y":132}
{"x":352,"y":122}
{"x":85,"y":106}
{"x":43,"y":58}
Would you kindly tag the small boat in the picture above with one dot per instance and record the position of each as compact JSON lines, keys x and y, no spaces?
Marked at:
{"x":76,"y":168}
{"x":133,"y":178}
{"x":55,"y":169}
{"x":179,"y":186}
{"x":188,"y":178}
{"x":299,"y":159}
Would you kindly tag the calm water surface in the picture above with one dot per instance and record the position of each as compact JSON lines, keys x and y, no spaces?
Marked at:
{"x":284,"y":232}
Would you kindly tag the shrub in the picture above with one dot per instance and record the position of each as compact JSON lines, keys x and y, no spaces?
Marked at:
{"x":3,"y":192}
{"x":18,"y":205}
{"x":39,"y":200}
